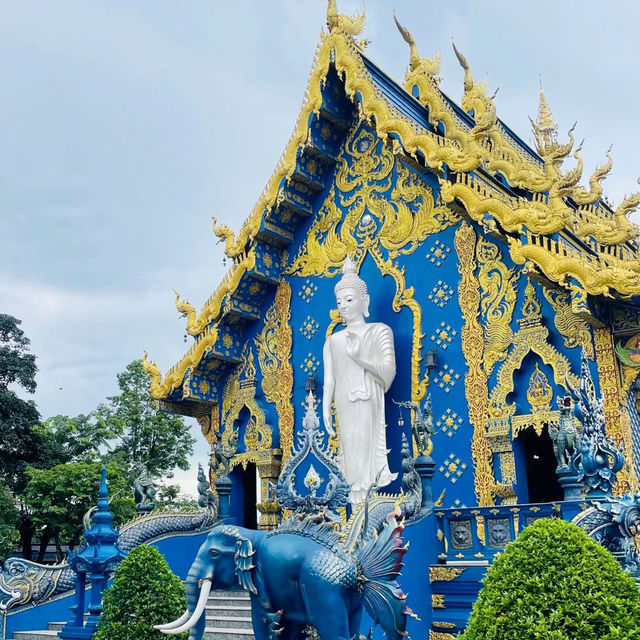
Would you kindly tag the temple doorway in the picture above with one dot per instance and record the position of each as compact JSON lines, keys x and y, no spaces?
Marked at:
{"x":540,"y":465}
{"x":244,"y":495}
{"x":250,"y":477}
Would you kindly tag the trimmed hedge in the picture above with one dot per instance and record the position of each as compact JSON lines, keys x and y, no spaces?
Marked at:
{"x":555,"y":583}
{"x":144,"y":592}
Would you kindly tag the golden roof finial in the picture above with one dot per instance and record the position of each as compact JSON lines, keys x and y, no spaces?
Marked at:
{"x":414,"y":55}
{"x":468,"y":78}
{"x":352,"y":26}
{"x":546,"y":123}
{"x":428,"y":66}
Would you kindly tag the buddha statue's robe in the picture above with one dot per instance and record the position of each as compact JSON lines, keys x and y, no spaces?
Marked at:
{"x":359,"y":401}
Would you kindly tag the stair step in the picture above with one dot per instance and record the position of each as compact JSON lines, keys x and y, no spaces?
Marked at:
{"x":229,"y":622}
{"x":56,"y":626}
{"x":35,"y":635}
{"x":230,"y":593}
{"x":221,"y":611}
{"x":231,"y":599}
{"x":221,"y":633}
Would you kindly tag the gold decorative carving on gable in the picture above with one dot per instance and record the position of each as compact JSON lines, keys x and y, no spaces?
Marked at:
{"x":274,"y":357}
{"x":472,"y":339}
{"x":239,"y":393}
{"x":532,"y":337}
{"x":574,"y":330}
{"x":499,"y":294}
{"x":401,"y":214}
{"x":616,"y":416}
{"x":377,"y":207}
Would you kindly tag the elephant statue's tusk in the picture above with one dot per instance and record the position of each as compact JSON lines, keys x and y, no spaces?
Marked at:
{"x":169,"y":625}
{"x":202,"y":602}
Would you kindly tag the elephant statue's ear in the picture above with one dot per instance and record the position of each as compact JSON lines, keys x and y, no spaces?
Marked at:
{"x":244,"y":564}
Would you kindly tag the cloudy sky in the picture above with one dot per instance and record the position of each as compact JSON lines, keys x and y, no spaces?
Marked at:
{"x":125,"y":125}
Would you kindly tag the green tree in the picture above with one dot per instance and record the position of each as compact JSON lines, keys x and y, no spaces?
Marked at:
{"x":58,"y":499}
{"x":156,"y":441}
{"x":18,"y":445}
{"x":9,"y":519}
{"x":169,"y":498}
{"x":555,"y":583}
{"x":77,"y":439}
{"x":144,"y":592}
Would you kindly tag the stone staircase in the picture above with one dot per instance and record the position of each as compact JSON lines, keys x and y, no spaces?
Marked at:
{"x":228,"y":616}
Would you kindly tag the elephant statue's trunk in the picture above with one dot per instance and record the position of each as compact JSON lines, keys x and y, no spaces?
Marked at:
{"x":183,"y":624}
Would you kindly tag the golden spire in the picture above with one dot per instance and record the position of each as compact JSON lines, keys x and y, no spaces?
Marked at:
{"x":546,"y":123}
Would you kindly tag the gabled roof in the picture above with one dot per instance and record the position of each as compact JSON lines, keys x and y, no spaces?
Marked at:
{"x":487,"y":173}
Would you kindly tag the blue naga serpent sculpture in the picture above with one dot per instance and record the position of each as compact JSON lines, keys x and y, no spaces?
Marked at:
{"x":301,"y":574}
{"x":24,"y":582}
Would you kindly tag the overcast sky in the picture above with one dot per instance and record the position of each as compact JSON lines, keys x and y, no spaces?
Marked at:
{"x":124,"y":126}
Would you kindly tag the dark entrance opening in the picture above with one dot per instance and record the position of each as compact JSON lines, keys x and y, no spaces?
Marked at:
{"x":540,"y":463}
{"x":249,"y":479}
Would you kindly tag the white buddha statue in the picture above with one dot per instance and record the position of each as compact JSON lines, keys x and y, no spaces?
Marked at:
{"x":359,"y":367}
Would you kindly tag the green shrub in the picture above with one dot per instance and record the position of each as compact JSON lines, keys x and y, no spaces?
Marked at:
{"x":555,"y":583}
{"x":144,"y":592}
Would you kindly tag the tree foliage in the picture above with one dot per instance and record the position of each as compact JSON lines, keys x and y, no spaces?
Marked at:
{"x":169,"y":498}
{"x":144,"y":592}
{"x":555,"y":583}
{"x":157,"y":442}
{"x":9,"y":519}
{"x":76,"y":439}
{"x":59,"y":497}
{"x":19,"y":444}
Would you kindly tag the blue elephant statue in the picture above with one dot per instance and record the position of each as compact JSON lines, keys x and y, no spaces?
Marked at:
{"x":300,"y":574}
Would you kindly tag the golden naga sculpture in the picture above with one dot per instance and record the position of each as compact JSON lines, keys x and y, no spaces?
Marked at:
{"x":152,"y":370}
{"x":232,"y":246}
{"x":474,"y":100}
{"x":582,"y":196}
{"x":187,"y":310}
{"x":351,"y":26}
{"x":427,"y":66}
{"x":605,"y":228}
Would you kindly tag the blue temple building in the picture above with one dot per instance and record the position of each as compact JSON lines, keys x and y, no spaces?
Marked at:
{"x":498,"y":273}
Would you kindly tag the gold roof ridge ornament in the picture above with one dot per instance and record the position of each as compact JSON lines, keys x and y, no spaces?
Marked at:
{"x":474,"y":99}
{"x":546,"y":123}
{"x":427,"y":66}
{"x":349,"y":25}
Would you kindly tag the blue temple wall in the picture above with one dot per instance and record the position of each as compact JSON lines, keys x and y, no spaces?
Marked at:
{"x":431,"y":267}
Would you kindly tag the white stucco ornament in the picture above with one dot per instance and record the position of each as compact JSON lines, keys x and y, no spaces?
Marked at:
{"x":359,"y":367}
